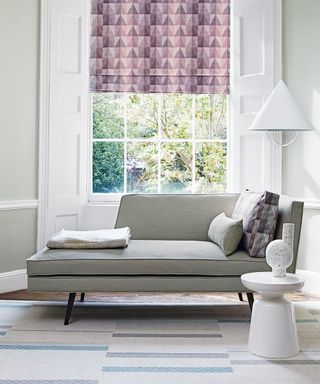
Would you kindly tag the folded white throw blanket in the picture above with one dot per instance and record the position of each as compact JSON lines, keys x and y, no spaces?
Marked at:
{"x":105,"y":238}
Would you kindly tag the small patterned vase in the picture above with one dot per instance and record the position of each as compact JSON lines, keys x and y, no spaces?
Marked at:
{"x":279,"y":253}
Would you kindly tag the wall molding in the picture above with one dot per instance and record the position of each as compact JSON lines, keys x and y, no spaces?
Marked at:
{"x":13,"y":280}
{"x":311,"y":204}
{"x":18,"y":204}
{"x":44,"y":92}
{"x":312,"y":281}
{"x":308,"y":203}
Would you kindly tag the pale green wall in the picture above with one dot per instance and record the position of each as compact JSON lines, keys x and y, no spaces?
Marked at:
{"x":301,"y":161}
{"x":19,"y":73}
{"x":19,"y":36}
{"x":17,"y":238}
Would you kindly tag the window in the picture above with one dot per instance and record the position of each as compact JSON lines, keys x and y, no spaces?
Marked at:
{"x":65,"y":180}
{"x":159,"y":143}
{"x":162,"y":126}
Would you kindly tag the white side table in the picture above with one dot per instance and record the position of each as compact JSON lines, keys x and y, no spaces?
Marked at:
{"x":273,"y":331}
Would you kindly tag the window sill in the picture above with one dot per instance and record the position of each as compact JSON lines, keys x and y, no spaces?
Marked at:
{"x":103,"y":203}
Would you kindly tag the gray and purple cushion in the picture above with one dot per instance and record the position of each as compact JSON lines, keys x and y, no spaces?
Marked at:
{"x":259,"y":212}
{"x":226,"y":233}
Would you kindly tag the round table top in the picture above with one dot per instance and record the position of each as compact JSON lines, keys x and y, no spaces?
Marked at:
{"x":265,"y":282}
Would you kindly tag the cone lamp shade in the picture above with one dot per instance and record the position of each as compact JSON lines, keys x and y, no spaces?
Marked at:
{"x":280,"y":113}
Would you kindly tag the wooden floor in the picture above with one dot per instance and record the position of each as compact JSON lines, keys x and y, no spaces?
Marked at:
{"x":144,"y":297}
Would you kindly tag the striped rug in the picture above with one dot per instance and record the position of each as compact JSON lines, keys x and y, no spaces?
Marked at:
{"x":134,"y":344}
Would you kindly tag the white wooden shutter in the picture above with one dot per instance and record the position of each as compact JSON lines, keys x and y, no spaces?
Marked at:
{"x":255,"y":161}
{"x":68,"y":122}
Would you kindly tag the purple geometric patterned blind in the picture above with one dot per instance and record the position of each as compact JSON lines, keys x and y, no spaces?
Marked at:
{"x":160,"y":46}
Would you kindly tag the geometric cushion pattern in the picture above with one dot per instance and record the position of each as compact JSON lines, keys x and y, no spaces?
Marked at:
{"x":226,"y":233}
{"x":160,"y":46}
{"x":259,"y":212}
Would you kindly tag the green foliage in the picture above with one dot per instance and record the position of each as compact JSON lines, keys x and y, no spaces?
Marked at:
{"x":211,"y":165}
{"x":211,"y":117}
{"x":142,"y":168}
{"x":153,"y":116}
{"x":176,"y":116}
{"x":142,"y":116}
{"x":176,"y":167}
{"x":108,"y":167}
{"x":107,"y":116}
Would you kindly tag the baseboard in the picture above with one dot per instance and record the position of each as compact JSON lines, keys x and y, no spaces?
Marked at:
{"x":312,"y":281}
{"x":13,"y":280}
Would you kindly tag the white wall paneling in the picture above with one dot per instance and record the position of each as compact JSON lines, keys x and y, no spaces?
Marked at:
{"x":251,"y":145}
{"x":69,"y":41}
{"x":252,"y":52}
{"x":255,"y":38}
{"x":64,"y":94}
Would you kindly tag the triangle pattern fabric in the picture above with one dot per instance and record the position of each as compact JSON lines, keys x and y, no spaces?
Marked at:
{"x":160,"y":46}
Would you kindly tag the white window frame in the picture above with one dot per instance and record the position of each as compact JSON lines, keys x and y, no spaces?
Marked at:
{"x":115,"y":197}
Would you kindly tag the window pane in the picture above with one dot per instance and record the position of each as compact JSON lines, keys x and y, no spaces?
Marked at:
{"x":142,"y":168}
{"x":176,"y":116}
{"x":176,"y":167}
{"x":211,"y":117}
{"x":211,"y":167}
{"x":108,"y":115}
{"x":142,"y":116}
{"x":171,"y":121}
{"x":108,"y":167}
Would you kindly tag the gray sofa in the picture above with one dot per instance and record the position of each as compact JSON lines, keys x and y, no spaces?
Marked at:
{"x":169,"y":251}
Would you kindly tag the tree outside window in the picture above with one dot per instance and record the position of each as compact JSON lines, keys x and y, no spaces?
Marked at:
{"x":159,"y":143}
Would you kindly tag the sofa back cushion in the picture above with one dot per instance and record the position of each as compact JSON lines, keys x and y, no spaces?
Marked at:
{"x":172,"y":217}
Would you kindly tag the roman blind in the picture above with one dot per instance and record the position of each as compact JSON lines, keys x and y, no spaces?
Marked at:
{"x":160,"y":46}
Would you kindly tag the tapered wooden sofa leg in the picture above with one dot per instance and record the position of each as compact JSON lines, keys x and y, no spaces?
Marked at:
{"x":250,"y":298}
{"x":240,"y":296}
{"x":71,"y":299}
{"x":82,"y":296}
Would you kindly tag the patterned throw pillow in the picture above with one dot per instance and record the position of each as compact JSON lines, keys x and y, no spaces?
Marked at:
{"x":259,"y":212}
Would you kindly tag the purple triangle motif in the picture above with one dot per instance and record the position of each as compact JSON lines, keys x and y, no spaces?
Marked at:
{"x":160,"y":46}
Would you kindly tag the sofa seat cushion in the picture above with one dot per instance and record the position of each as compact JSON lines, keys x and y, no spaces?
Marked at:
{"x":145,"y":257}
